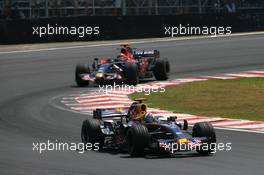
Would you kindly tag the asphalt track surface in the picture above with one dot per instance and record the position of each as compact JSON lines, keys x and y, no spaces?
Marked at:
{"x":29,"y":82}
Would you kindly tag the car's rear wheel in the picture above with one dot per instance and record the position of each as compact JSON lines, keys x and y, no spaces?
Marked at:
{"x":205,"y":129}
{"x":91,"y":132}
{"x":131,"y":74}
{"x":138,"y":139}
{"x":160,"y":70}
{"x":81,"y":69}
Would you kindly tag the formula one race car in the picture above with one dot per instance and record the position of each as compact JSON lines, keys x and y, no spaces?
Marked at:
{"x":138,"y":132}
{"x":128,"y":67}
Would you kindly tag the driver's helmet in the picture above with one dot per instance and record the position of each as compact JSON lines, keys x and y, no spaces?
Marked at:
{"x":124,"y":51}
{"x":149,"y":118}
{"x":122,"y":56}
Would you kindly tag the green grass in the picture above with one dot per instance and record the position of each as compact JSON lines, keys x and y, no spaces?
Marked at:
{"x":237,"y":98}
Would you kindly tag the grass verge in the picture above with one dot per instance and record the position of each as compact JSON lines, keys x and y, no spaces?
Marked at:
{"x":236,"y":98}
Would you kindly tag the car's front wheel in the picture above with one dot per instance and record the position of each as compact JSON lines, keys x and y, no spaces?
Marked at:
{"x":138,"y":139}
{"x":91,"y":132}
{"x":131,"y":73}
{"x":205,"y":129}
{"x":79,"y":70}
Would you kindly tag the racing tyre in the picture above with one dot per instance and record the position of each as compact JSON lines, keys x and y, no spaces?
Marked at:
{"x":160,"y":70}
{"x":167,"y":65}
{"x":138,"y":139}
{"x":131,"y":73}
{"x":91,"y":132}
{"x":205,"y":129}
{"x":81,"y":69}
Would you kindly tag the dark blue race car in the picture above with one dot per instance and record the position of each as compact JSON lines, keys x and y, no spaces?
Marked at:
{"x":138,"y":132}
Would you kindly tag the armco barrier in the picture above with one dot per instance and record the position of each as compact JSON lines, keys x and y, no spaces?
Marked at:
{"x":123,"y":27}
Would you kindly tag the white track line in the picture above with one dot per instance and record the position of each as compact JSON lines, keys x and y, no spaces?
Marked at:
{"x":97,"y":107}
{"x":249,"y":126}
{"x":100,"y":103}
{"x":221,"y":77}
{"x":227,"y":123}
{"x":239,"y":130}
{"x":113,"y":43}
{"x":256,"y":71}
{"x":245,"y":75}
{"x":101,"y":96}
{"x":104,"y":99}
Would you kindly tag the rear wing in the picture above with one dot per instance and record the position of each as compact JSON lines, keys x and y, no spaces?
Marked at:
{"x":110,"y":113}
{"x":150,"y":53}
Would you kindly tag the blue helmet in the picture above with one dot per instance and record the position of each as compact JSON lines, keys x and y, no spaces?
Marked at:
{"x":149,"y":118}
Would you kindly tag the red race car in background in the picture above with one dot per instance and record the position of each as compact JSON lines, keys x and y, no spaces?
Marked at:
{"x":128,"y":67}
